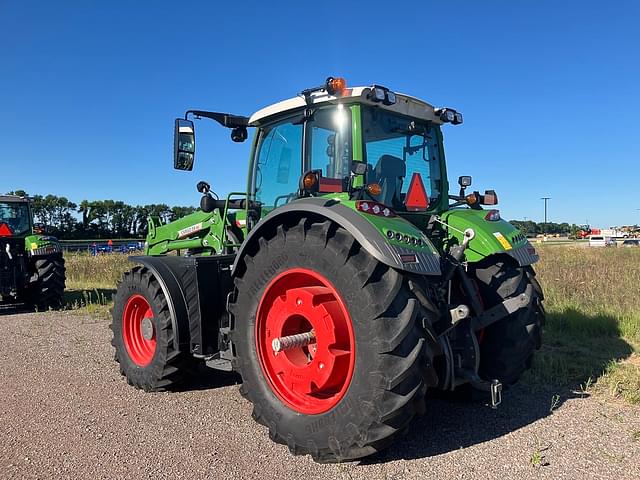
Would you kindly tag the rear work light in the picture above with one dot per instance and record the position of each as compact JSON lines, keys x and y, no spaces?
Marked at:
{"x":382,"y":94}
{"x":449,"y":115}
{"x":374,"y":208}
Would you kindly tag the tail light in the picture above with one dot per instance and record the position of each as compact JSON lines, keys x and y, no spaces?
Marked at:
{"x":374,"y":208}
{"x":489,"y":198}
{"x":492,"y":216}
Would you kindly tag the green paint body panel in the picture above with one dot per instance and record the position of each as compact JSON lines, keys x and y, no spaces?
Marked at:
{"x":198,"y":230}
{"x":33,"y":242}
{"x":395,"y":224}
{"x":485,"y":242}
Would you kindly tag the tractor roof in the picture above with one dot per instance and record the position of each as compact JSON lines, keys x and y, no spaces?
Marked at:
{"x":13,"y":198}
{"x":405,"y":104}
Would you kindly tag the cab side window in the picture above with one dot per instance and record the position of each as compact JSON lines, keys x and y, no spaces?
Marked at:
{"x":279,"y":165}
{"x":330,"y":132}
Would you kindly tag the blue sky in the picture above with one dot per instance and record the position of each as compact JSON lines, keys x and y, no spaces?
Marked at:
{"x":549,"y":90}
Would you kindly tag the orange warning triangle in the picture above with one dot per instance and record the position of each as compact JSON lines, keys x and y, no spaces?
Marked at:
{"x":416,"y":199}
{"x":5,"y":231}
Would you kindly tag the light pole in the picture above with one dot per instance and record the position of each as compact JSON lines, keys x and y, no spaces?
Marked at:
{"x":544,"y":226}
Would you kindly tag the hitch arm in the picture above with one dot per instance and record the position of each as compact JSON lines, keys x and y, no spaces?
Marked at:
{"x":503,"y":309}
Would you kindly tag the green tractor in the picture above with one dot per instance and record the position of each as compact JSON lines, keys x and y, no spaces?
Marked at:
{"x":343,"y":284}
{"x":31,"y":265}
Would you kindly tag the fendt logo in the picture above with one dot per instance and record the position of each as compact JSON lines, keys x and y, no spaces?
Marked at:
{"x":185,"y":232}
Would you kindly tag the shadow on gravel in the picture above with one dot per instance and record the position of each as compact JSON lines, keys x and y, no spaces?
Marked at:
{"x":14,"y":309}
{"x":453,"y":423}
{"x":205,"y":378}
{"x":577,"y":348}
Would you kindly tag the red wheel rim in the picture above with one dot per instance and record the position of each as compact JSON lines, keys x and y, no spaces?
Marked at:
{"x":310,"y":379}
{"x":139,"y":348}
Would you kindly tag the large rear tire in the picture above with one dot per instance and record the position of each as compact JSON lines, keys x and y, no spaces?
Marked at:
{"x":48,"y":289}
{"x":507,"y":346}
{"x":143,"y":335}
{"x":351,"y":392}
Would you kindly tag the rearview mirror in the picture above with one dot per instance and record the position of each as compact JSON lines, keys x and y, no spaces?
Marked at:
{"x":184,"y":144}
{"x":464,"y":181}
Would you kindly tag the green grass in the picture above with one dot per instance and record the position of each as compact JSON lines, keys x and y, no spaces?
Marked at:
{"x":91,"y":281}
{"x":592,"y":335}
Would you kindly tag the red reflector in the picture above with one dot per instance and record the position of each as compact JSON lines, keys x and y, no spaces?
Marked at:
{"x":5,"y":231}
{"x":330,"y":185}
{"x":408,"y":258}
{"x":416,"y":199}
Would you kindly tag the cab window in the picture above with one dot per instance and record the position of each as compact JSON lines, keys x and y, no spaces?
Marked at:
{"x":279,"y":165}
{"x":330,"y":146}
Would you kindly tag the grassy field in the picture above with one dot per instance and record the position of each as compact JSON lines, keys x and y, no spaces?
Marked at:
{"x":592,"y":335}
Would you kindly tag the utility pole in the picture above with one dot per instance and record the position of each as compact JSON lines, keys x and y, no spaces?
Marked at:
{"x":544,"y":227}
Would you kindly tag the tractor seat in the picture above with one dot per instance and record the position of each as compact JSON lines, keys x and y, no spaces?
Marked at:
{"x":389,"y":173}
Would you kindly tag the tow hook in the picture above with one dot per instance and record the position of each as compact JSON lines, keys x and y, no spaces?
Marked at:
{"x":496,"y":393}
{"x":494,"y":387}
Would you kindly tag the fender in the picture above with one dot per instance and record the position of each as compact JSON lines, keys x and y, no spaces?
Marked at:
{"x":427,"y":258}
{"x":173,"y":294}
{"x":196,"y":289}
{"x":492,"y":237}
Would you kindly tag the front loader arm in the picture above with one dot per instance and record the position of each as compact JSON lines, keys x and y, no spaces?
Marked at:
{"x":202,"y":231}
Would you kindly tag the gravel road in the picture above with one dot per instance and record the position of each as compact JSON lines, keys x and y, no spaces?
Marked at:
{"x":65,"y":412}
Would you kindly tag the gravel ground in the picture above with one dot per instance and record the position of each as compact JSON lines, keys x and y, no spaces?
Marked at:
{"x":65,"y":412}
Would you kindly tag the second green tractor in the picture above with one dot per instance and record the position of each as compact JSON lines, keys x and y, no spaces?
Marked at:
{"x":343,"y":283}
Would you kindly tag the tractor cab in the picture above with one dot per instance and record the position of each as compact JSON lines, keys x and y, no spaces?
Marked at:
{"x":15,"y":216}
{"x":366,"y":142}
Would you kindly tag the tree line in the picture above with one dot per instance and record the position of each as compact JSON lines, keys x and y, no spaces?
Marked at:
{"x":531,"y":228}
{"x":116,"y":219}
{"x":60,"y":217}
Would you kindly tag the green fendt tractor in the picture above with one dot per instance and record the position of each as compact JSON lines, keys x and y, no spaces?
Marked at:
{"x":343,"y":283}
{"x":31,"y":265}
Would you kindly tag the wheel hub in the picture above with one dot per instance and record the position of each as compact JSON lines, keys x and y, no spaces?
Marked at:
{"x":146,"y":328}
{"x":305,"y":341}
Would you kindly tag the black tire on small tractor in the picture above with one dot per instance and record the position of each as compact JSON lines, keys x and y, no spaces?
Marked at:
{"x":393,"y":359}
{"x":149,"y":364}
{"x":507,"y":346}
{"x":47,"y":290}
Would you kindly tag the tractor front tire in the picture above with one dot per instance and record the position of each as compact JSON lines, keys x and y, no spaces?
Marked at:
{"x":47,"y":290}
{"x":143,"y":334}
{"x":353,"y":390}
{"x":507,"y":346}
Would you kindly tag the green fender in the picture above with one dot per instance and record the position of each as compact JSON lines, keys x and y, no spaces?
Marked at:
{"x":372,"y":232}
{"x":39,"y":245}
{"x":491,"y":236}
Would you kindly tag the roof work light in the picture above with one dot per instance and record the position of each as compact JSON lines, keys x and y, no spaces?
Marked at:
{"x":449,"y":115}
{"x":382,"y":95}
